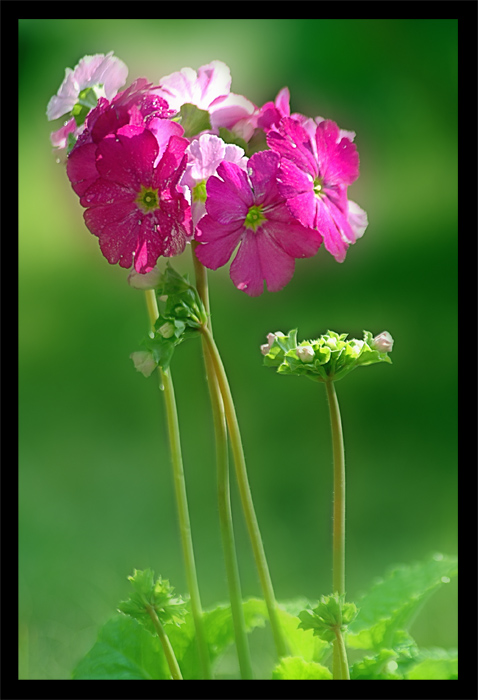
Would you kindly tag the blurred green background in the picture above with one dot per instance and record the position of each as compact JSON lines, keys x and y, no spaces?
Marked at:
{"x":96,"y":493}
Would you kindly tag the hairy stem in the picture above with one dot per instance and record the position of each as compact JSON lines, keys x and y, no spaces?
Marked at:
{"x":338,"y":537}
{"x":223,"y":491}
{"x":166,"y":644}
{"x":181,"y":501}
{"x":341,"y":667}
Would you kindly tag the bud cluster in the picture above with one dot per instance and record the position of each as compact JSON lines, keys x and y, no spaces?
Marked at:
{"x":328,"y":358}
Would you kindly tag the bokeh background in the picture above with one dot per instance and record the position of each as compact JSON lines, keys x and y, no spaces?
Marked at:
{"x":96,"y":493}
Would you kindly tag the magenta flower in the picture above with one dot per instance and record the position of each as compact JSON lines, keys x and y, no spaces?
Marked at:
{"x":132,"y":200}
{"x":246,"y":209}
{"x":318,"y":162}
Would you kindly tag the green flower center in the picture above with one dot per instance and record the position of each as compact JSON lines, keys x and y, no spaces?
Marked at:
{"x":254,"y":218}
{"x":147,"y":199}
{"x":199,"y":192}
{"x":318,"y":184}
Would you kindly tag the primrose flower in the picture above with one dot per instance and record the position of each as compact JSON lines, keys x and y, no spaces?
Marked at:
{"x":105,"y":74}
{"x":93,"y":77}
{"x":132,"y":200}
{"x":205,"y":154}
{"x":208,"y":89}
{"x":318,"y":162}
{"x":247,"y":209}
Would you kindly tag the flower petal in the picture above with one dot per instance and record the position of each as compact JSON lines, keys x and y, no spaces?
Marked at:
{"x":81,"y":168}
{"x":224,"y":203}
{"x":338,"y":157}
{"x":219,"y":241}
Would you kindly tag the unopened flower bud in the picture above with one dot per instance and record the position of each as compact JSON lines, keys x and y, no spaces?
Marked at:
{"x":166,"y":330}
{"x":149,"y":280}
{"x":383,"y":342}
{"x":143,"y":362}
{"x":270,"y":341}
{"x":305,"y":353}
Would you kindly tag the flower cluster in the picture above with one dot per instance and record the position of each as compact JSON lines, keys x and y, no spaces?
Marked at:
{"x":327,"y":358}
{"x":158,"y":165}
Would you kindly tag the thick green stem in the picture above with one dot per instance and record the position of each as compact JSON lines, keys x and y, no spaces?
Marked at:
{"x":339,"y":666}
{"x":181,"y":501}
{"x":166,"y":644}
{"x":223,"y":491}
{"x":245,"y":493}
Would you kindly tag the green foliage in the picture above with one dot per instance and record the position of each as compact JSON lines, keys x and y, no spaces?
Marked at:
{"x":331,"y":614}
{"x":295,"y":668}
{"x":181,"y":316}
{"x":126,"y":650}
{"x":435,"y":664}
{"x":329,"y":357}
{"x":150,"y":594}
{"x":392,"y":603}
{"x":194,"y":120}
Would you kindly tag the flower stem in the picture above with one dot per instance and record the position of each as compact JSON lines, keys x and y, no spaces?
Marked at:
{"x":223,"y":491}
{"x":340,"y":667}
{"x":166,"y":644}
{"x":338,"y":541}
{"x":245,"y":493}
{"x":181,"y":500}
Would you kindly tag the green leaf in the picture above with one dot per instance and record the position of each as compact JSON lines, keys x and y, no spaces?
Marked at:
{"x":435,"y":664}
{"x":230,"y":137}
{"x":296,"y":668}
{"x":381,"y":666}
{"x":124,"y":650}
{"x":194,"y":120}
{"x":392,"y":603}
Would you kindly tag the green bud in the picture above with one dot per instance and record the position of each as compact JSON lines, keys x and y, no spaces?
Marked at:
{"x":166,"y":330}
{"x":144,"y":362}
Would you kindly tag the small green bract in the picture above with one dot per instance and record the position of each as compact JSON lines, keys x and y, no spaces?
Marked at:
{"x":331,"y":614}
{"x":157,"y":595}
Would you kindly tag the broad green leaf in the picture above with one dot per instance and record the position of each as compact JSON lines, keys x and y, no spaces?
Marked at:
{"x":381,"y":666}
{"x":295,"y":668}
{"x":435,"y":665}
{"x":393,"y":602}
{"x":124,"y":650}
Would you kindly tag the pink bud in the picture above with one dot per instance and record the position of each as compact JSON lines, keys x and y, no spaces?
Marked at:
{"x":305,"y":353}
{"x":383,"y":342}
{"x":270,"y":341}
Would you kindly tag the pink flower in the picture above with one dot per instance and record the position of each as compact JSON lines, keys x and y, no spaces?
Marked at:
{"x":318,"y":162}
{"x":205,"y":154}
{"x":129,"y":187}
{"x":106,"y":73}
{"x":208,"y":89}
{"x":246,"y":209}
{"x":271,"y":113}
